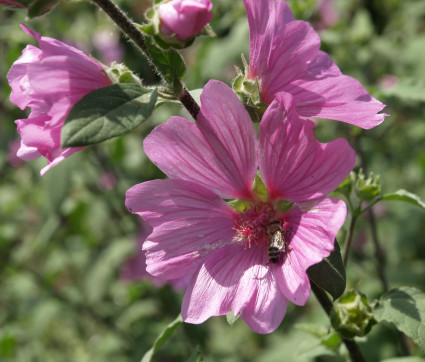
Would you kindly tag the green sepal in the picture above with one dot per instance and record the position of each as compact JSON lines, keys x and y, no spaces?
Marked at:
{"x":260,"y":189}
{"x":239,"y":205}
{"x":352,"y":315}
{"x":231,"y":319}
{"x":283,"y":205}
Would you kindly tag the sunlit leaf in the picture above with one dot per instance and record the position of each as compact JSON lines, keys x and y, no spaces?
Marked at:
{"x":405,"y":308}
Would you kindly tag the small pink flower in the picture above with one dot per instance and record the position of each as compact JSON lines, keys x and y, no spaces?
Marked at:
{"x":135,"y":267}
{"x":285,"y":56}
{"x":185,"y":18}
{"x":196,"y":232}
{"x":327,"y":12}
{"x":50,"y":80}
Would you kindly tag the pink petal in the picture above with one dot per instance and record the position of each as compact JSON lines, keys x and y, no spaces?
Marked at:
{"x":313,"y":228}
{"x":342,"y":98}
{"x":226,"y":281}
{"x":285,"y":56}
{"x":264,"y":19}
{"x":267,"y":307}
{"x":219,"y":152}
{"x":188,"y":221}
{"x":293,"y":164}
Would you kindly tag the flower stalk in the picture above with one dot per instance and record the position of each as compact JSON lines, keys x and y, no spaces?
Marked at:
{"x":137,"y":36}
{"x":352,"y":347}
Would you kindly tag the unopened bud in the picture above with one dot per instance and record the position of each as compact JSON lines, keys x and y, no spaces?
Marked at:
{"x":367,"y":188}
{"x":352,"y":316}
{"x":184,"y":18}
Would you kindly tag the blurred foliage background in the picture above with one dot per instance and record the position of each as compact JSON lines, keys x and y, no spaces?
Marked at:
{"x":66,"y":238}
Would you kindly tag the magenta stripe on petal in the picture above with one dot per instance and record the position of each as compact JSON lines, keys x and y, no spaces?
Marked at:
{"x":294,"y":165}
{"x":219,"y":152}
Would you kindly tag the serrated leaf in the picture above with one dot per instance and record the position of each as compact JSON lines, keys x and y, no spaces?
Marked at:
{"x":406,"y":196}
{"x":106,"y":113}
{"x":405,"y":308}
{"x":40,"y":7}
{"x":169,"y":63}
{"x":162,"y":338}
{"x":329,"y":274}
{"x":231,"y":319}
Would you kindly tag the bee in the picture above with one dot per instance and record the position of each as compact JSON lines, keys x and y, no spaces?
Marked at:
{"x":276,"y":242}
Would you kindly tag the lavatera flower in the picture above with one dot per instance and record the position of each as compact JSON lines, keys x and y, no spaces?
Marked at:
{"x":284,"y":56}
{"x":50,"y":80}
{"x":250,"y":259}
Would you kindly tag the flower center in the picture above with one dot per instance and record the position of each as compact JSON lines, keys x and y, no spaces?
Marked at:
{"x":253,"y":224}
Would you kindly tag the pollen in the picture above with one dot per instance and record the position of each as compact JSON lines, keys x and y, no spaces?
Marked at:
{"x":252,"y":223}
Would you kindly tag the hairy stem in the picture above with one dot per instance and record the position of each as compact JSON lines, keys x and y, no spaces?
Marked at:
{"x":137,"y":36}
{"x":352,"y":347}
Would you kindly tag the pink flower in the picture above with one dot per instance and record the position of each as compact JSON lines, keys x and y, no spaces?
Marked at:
{"x":135,"y":267}
{"x":196,"y":232}
{"x":285,"y":56}
{"x":185,"y":18}
{"x":327,"y":12}
{"x":50,"y":80}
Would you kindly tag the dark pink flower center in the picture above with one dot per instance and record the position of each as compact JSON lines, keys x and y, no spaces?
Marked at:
{"x":252,"y":224}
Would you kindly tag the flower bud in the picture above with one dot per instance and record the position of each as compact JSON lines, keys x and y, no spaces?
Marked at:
{"x":352,"y":316}
{"x":367,"y":189}
{"x":184,"y":18}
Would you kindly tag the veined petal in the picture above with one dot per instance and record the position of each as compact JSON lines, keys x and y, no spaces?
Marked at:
{"x":312,"y":231}
{"x":226,"y":281}
{"x":341,"y":97}
{"x":285,"y":57}
{"x":188,"y":222}
{"x":265,"y":18}
{"x":290,"y":54}
{"x":267,"y":307}
{"x":294,"y":165}
{"x":219,"y":152}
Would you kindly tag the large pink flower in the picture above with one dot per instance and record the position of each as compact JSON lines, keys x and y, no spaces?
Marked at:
{"x":285,"y":56}
{"x":50,"y":80}
{"x":225,"y":249}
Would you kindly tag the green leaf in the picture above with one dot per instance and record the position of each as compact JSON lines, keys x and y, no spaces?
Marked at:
{"x":106,"y":113}
{"x":168,"y":62}
{"x":406,"y":196}
{"x":162,"y":338}
{"x":405,"y":308}
{"x":329,"y":274}
{"x":409,"y":90}
{"x":231,"y":319}
{"x":40,"y":7}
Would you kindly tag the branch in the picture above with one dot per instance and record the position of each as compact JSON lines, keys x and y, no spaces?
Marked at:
{"x":137,"y":36}
{"x":353,"y":348}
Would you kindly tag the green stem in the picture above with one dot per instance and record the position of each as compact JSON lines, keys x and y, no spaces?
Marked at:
{"x":137,"y":36}
{"x":349,"y":238}
{"x":352,"y":347}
